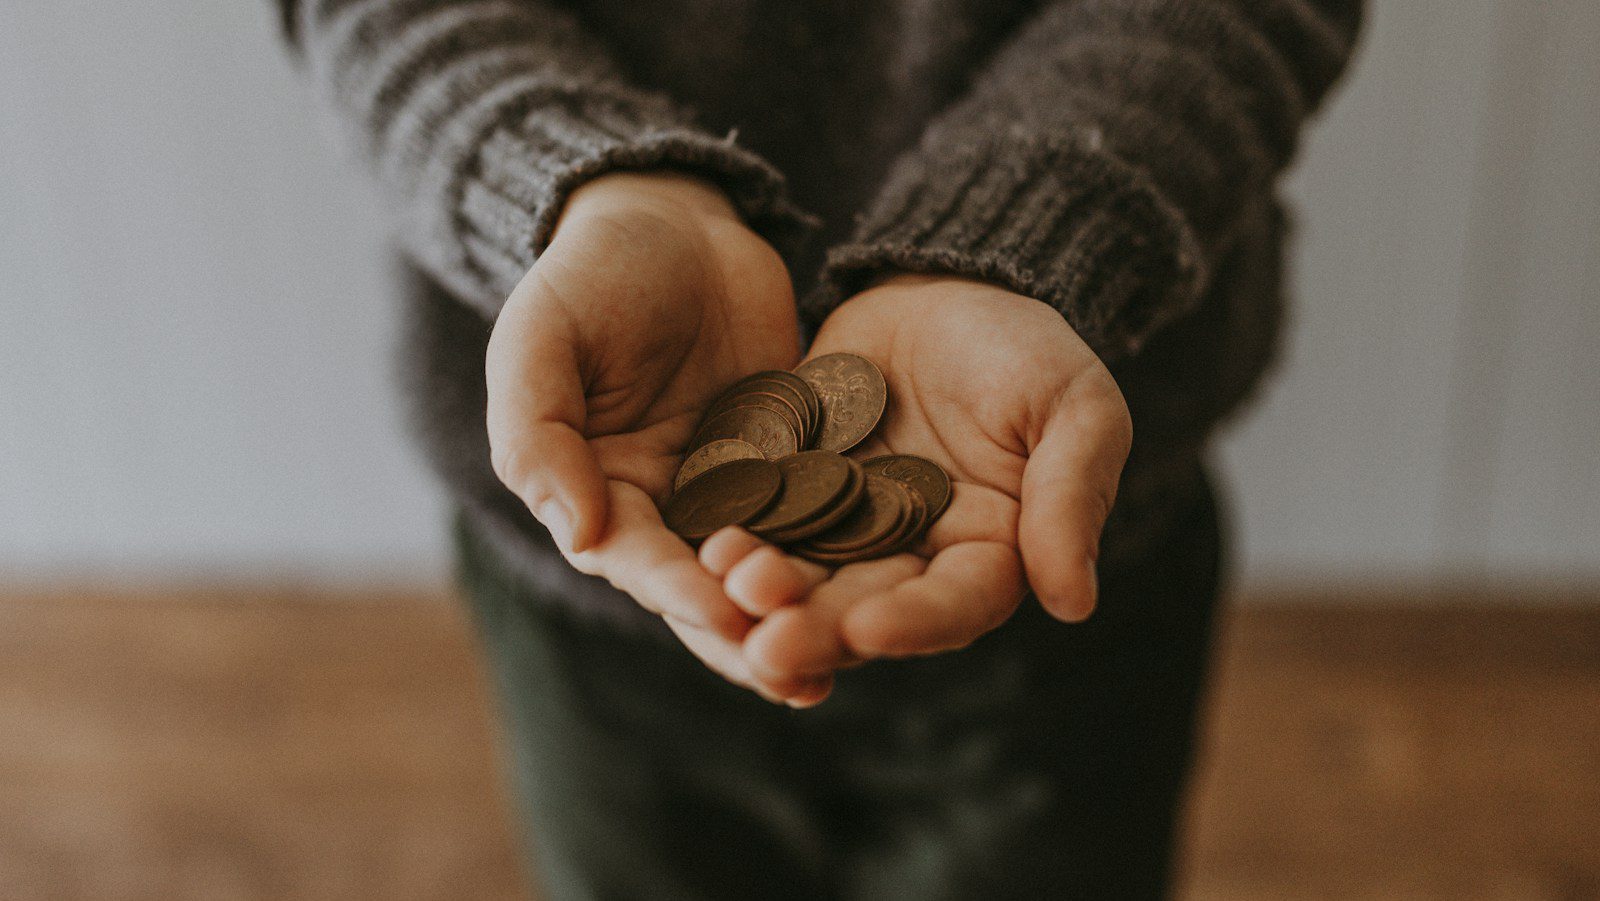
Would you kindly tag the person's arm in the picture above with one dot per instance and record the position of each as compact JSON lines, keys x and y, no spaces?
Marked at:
{"x":1103,"y":164}
{"x":1105,"y":159}
{"x":629,"y":260}
{"x":480,"y":117}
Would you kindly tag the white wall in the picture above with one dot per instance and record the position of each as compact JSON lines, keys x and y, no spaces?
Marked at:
{"x":1438,"y":416}
{"x":194,"y":321}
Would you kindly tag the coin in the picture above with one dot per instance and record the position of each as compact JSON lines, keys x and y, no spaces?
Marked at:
{"x":729,"y":495}
{"x":909,"y":527}
{"x":714,"y":454}
{"x":880,"y":514}
{"x":791,"y":388}
{"x":761,"y":427}
{"x":920,"y":473}
{"x":852,"y":394}
{"x":800,"y":389}
{"x":812,"y":482}
{"x":842,"y":506}
{"x":779,"y":405}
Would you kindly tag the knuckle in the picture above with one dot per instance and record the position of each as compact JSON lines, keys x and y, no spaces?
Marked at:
{"x":514,"y":468}
{"x":1100,"y":503}
{"x":505,"y":461}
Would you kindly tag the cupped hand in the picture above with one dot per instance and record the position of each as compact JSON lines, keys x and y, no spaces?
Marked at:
{"x":651,"y":298}
{"x":999,"y":390}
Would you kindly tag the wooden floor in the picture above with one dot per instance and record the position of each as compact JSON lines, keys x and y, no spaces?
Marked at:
{"x":275,"y":746}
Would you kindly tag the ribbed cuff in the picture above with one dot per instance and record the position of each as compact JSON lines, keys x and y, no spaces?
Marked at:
{"x":526,"y":171}
{"x":1068,"y":224}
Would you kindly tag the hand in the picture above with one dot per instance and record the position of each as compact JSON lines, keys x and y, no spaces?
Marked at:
{"x":1001,"y":392}
{"x":651,"y":298}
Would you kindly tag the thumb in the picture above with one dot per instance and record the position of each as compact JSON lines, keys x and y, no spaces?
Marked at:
{"x":535,"y":417}
{"x":1068,"y":487}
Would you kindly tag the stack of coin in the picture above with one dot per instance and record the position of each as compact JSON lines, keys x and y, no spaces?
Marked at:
{"x":768,"y":456}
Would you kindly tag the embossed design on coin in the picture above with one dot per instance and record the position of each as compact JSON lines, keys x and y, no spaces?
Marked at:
{"x":714,"y":454}
{"x":799,"y":402}
{"x":756,"y":425}
{"x":767,"y":401}
{"x":928,"y":477}
{"x":729,"y":495}
{"x":852,"y":393}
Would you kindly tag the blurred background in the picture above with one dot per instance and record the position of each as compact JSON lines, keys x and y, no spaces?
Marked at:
{"x":229,"y":665}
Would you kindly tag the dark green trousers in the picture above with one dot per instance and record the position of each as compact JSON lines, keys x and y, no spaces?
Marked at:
{"x":1046,"y":761}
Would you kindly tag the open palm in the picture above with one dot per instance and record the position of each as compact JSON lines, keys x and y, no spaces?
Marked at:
{"x":652,"y":297}
{"x":1000,"y":391}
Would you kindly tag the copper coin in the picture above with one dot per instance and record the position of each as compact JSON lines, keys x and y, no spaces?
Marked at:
{"x":714,"y":454}
{"x":765,"y":429}
{"x":853,"y":395}
{"x":842,"y":506}
{"x":911,"y":530}
{"x":879,"y":515}
{"x":904,"y":533}
{"x":920,"y":473}
{"x":812,"y":482}
{"x":800,"y":388}
{"x":729,"y":495}
{"x":765,"y":400}
{"x":791,"y":388}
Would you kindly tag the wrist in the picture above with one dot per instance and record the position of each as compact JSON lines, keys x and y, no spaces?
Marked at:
{"x":900,"y":283}
{"x":902,"y":278}
{"x":670,"y":191}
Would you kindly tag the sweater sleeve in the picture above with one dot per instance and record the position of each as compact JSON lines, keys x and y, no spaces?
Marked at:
{"x":479,"y":118}
{"x":1104,"y":160}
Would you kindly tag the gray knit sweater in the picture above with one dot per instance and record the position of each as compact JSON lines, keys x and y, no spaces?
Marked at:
{"x":1116,"y":159}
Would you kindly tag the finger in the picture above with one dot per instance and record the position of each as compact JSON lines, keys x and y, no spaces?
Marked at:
{"x":726,"y":547}
{"x":966,"y":590}
{"x":811,"y":693}
{"x":720,"y":655}
{"x":1068,"y":488}
{"x":756,"y":575}
{"x":535,"y":420}
{"x":804,"y":640}
{"x":724,"y":658}
{"x":794,"y":644}
{"x":640,"y":556}
{"x":767,"y":579}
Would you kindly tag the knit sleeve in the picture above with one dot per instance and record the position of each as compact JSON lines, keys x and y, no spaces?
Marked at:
{"x":479,"y":118}
{"x":1104,"y":159}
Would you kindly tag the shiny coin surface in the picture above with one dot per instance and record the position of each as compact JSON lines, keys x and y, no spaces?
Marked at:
{"x":928,"y":477}
{"x":886,"y":504}
{"x":714,"y":454}
{"x":729,"y":495}
{"x":852,"y":393}
{"x":761,"y":427}
{"x":813,"y":481}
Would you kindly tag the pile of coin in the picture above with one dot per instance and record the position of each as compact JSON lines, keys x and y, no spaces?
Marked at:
{"x":769,"y":456}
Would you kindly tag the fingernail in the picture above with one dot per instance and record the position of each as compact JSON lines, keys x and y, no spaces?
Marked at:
{"x":810,"y":696}
{"x":553,"y":514}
